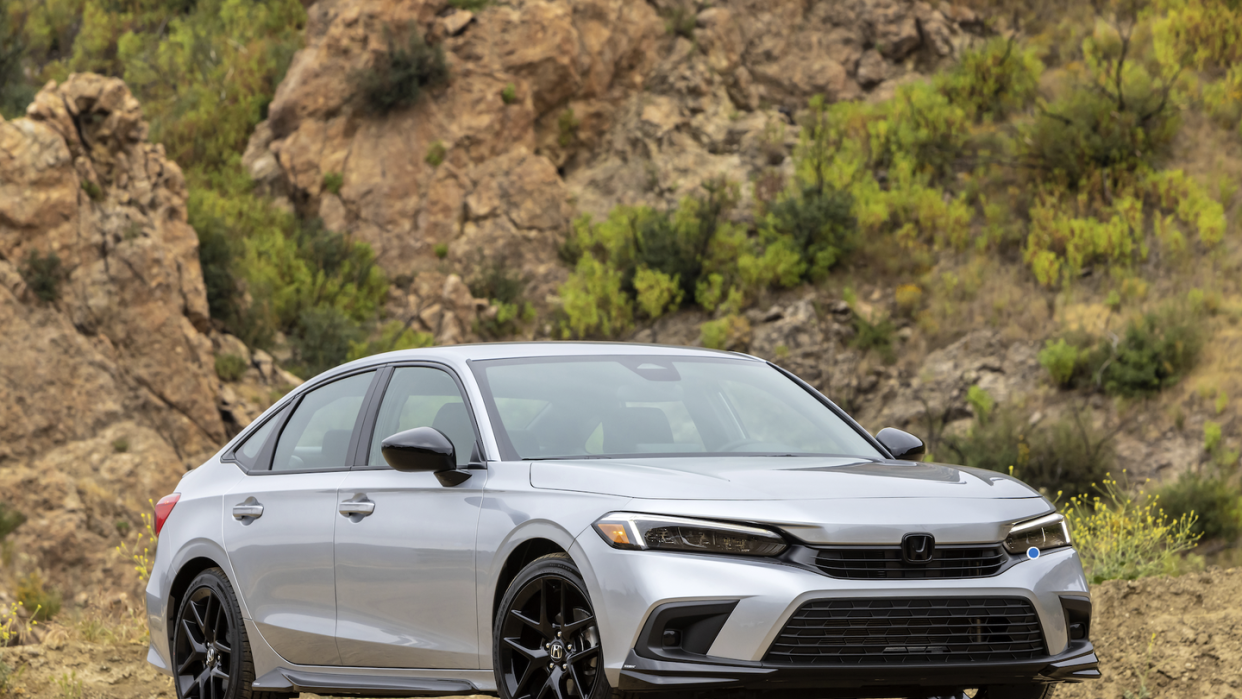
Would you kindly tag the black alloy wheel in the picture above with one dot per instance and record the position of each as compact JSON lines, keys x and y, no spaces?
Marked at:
{"x":546,"y":637}
{"x":203,"y":646}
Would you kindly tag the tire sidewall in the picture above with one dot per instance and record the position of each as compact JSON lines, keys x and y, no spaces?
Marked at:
{"x":214,"y":580}
{"x":558,"y":565}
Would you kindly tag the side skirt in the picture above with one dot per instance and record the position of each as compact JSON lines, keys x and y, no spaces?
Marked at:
{"x":378,"y":682}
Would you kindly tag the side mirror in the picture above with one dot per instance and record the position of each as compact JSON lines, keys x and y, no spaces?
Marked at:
{"x":902,"y":445}
{"x":424,"y":449}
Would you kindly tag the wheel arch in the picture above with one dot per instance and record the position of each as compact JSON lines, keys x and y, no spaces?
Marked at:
{"x":181,"y":582}
{"x":521,"y":556}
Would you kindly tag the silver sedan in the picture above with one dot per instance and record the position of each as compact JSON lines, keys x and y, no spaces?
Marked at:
{"x":588,"y":520}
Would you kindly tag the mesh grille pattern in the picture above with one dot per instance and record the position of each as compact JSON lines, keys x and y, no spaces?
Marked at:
{"x":885,"y":563}
{"x":909,"y":631}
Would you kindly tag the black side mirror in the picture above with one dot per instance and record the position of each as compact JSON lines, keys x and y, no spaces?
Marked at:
{"x":902,"y":445}
{"x":424,"y":449}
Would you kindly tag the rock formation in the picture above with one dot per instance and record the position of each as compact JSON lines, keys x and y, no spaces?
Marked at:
{"x":109,"y":391}
{"x":611,"y":103}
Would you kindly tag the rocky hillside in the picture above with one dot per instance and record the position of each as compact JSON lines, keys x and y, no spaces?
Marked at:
{"x":609,"y":103}
{"x":109,"y":390}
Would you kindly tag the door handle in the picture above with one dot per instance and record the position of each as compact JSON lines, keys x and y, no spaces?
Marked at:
{"x":362,"y":508}
{"x":244,"y":510}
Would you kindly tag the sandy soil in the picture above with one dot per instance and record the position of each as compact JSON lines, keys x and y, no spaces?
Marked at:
{"x":1156,"y":638}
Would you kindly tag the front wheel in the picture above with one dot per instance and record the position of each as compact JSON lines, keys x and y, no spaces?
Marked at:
{"x":545,"y":637}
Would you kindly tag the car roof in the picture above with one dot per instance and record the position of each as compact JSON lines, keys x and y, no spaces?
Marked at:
{"x":515,"y":350}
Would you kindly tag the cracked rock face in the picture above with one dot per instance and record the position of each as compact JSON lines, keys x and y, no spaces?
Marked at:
{"x":109,"y":391}
{"x":608,"y":107}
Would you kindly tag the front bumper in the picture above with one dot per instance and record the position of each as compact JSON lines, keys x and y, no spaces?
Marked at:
{"x":629,"y":586}
{"x":1078,"y":662}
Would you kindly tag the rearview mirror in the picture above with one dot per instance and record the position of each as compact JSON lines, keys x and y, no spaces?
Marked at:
{"x":424,"y":449}
{"x":902,"y":445}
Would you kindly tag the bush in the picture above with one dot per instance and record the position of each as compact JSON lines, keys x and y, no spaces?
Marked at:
{"x":567,"y":128}
{"x":436,"y":153}
{"x":504,"y":288}
{"x":666,"y":257}
{"x":332,"y":182}
{"x":593,"y":302}
{"x":120,"y":445}
{"x":440,"y":250}
{"x":10,"y":520}
{"x":471,"y":5}
{"x":1119,"y":536}
{"x":509,"y":94}
{"x":819,"y":223}
{"x":876,"y":336}
{"x":230,"y":367}
{"x":1068,"y":455}
{"x":992,"y":81}
{"x":93,"y":191}
{"x":1155,"y":352}
{"x":398,"y":77}
{"x":730,"y":332}
{"x":42,"y":603}
{"x":392,"y":337}
{"x":323,"y":339}
{"x":43,"y":275}
{"x":1215,"y":504}
{"x":1061,"y":360}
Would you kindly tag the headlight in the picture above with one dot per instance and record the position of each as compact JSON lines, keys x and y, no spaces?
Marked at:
{"x":625,"y":530}
{"x":1047,"y":532}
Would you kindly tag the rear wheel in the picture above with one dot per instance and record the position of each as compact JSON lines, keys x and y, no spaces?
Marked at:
{"x":545,"y":638}
{"x":210,"y":651}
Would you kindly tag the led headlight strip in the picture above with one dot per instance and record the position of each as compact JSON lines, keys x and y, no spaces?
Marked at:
{"x":1045,"y":533}
{"x":638,"y":532}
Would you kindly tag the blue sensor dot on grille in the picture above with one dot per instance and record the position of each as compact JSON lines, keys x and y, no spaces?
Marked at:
{"x":1033,"y":553}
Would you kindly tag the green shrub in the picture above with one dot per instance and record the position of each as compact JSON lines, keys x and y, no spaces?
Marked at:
{"x":436,"y":153}
{"x":10,"y":520}
{"x":981,"y":402}
{"x":509,"y":94}
{"x":399,"y":76}
{"x":1216,"y":503}
{"x":393,"y":336}
{"x":680,"y":21}
{"x":656,"y":292}
{"x":593,"y":302}
{"x":43,"y":275}
{"x":92,"y":190}
{"x":230,"y":367}
{"x":1154,"y":353}
{"x":504,"y":287}
{"x":440,"y":250}
{"x":332,"y":182}
{"x":1066,"y":455}
{"x":471,"y":5}
{"x":324,"y":337}
{"x":1062,"y":360}
{"x":729,"y":332}
{"x":43,"y":603}
{"x":120,"y":445}
{"x":876,"y":336}
{"x":818,"y":223}
{"x":567,"y":128}
{"x":992,"y":81}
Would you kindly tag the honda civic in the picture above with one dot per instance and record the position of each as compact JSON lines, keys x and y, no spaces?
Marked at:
{"x":557,"y":520}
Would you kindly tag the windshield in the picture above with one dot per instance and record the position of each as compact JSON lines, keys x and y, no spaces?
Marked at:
{"x":600,"y":407}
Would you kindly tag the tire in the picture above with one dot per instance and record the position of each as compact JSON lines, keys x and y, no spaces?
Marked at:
{"x":210,"y":652}
{"x":530,"y":634}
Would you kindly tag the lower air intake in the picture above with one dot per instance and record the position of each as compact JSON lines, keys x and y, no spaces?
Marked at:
{"x":930,"y":630}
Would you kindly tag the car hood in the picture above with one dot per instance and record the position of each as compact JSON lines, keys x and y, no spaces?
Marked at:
{"x":774,"y":478}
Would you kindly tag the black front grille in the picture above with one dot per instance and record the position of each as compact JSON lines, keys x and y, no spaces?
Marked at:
{"x":885,"y":562}
{"x":909,"y":631}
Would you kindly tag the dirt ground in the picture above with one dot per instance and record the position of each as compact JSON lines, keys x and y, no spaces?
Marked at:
{"x":1156,"y":638}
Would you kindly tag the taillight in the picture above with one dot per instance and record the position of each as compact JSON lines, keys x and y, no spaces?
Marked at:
{"x":163,"y":508}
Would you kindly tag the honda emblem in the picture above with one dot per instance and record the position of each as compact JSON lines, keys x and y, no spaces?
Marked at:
{"x":916,"y":549}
